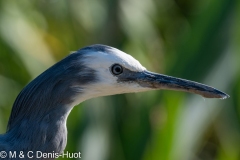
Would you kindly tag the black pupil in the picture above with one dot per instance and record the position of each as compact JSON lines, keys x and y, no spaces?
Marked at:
{"x":117,"y":69}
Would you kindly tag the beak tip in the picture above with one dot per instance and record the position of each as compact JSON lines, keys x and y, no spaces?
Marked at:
{"x":224,"y":96}
{"x":215,"y":94}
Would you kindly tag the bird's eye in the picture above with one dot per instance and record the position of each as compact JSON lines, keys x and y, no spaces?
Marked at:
{"x":117,"y":69}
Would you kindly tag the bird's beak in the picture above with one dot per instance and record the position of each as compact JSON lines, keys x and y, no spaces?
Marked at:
{"x":160,"y":81}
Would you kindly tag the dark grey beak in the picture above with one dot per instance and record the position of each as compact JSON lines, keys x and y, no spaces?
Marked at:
{"x":159,"y":81}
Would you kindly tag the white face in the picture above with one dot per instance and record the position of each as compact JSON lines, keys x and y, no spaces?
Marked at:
{"x":134,"y":77}
{"x":107,"y":83}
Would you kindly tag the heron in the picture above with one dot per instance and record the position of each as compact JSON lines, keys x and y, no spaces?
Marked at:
{"x":38,"y":118}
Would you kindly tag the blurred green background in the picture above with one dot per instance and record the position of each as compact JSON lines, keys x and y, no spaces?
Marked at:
{"x":197,"y":40}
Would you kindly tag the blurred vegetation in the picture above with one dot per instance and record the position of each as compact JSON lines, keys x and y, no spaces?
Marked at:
{"x":198,"y":40}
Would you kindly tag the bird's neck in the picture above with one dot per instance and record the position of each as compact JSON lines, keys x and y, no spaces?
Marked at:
{"x":38,"y":117}
{"x":39,"y":113}
{"x":47,"y":134}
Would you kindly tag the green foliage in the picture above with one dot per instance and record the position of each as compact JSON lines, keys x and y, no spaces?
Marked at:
{"x":197,"y":40}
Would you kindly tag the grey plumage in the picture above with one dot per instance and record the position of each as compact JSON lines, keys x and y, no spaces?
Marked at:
{"x":38,"y":118}
{"x":37,"y":121}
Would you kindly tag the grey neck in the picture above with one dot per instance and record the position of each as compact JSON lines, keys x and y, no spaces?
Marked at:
{"x":48,"y":134}
{"x":38,"y":118}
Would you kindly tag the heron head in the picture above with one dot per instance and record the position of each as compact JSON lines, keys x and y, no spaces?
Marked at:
{"x":115,"y":72}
